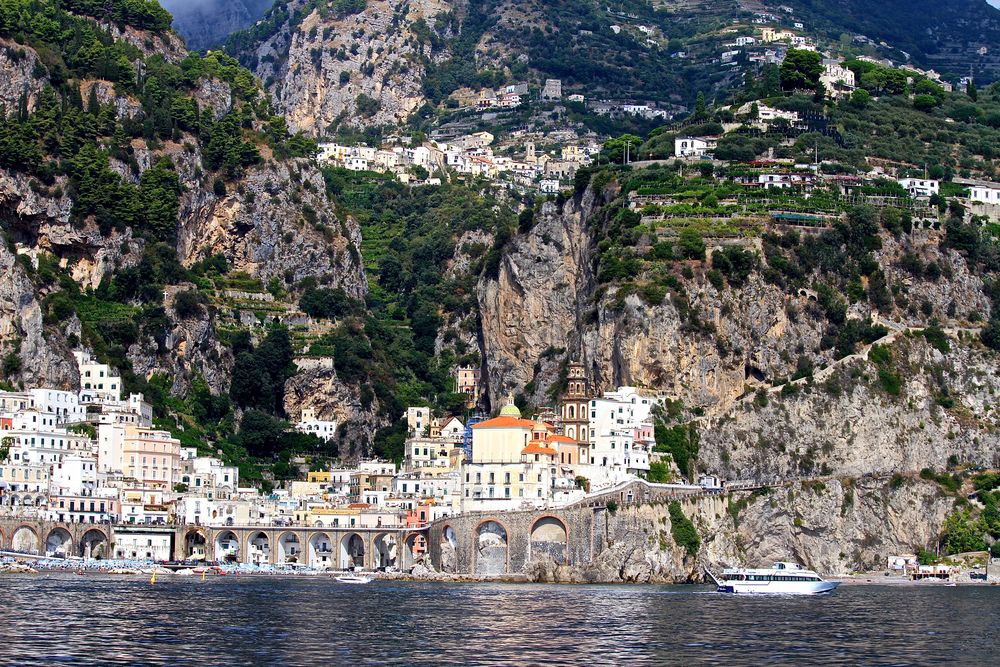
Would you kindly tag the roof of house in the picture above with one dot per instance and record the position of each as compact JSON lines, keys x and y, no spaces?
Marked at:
{"x":506,"y":422}
{"x":563,"y":439}
{"x":538,"y":448}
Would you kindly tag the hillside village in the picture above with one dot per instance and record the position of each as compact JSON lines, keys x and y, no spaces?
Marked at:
{"x":95,"y":457}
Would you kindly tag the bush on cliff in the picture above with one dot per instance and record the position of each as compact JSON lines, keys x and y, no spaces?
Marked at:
{"x":682,"y":530}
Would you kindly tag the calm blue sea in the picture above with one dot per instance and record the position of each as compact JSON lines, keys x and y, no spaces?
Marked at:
{"x":51,"y":619}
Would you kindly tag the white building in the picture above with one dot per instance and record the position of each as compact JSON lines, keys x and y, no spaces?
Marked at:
{"x":836,"y":78}
{"x":920,"y":187}
{"x":142,"y":544}
{"x":693,"y":146}
{"x":321,"y":428}
{"x":207,"y":474}
{"x":621,"y":435}
{"x":98,"y":377}
{"x":984,"y":192}
{"x":36,"y":443}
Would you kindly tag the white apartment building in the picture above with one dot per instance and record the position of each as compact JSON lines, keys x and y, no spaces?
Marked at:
{"x":36,"y":443}
{"x":207,"y":474}
{"x":97,"y":377}
{"x":984,"y":192}
{"x":621,"y":434}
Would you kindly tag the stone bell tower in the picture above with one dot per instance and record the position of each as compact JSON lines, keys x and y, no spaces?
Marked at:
{"x":573,"y":406}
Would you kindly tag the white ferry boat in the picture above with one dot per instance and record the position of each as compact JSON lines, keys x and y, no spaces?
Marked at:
{"x":781,"y":579}
{"x":354,"y":579}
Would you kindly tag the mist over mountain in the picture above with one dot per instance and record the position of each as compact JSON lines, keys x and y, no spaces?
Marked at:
{"x":205,"y":23}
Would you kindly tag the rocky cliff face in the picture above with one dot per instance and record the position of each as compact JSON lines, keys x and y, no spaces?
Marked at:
{"x":275,"y":222}
{"x":333,"y":399}
{"x":836,"y":528}
{"x":704,"y":345}
{"x":42,"y":357}
{"x":849,"y":425}
{"x":361,"y":70}
{"x":21,"y":83}
{"x":546,"y":304}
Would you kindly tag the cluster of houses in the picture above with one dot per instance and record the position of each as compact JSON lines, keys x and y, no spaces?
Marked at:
{"x":89,"y":456}
{"x":467,"y":155}
{"x":508,"y":97}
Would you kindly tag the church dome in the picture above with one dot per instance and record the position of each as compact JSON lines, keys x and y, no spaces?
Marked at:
{"x":510,"y":410}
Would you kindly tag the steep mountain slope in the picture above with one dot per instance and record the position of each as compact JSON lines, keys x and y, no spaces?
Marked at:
{"x":948,"y":36}
{"x":159,"y":219}
{"x":363,"y":64}
{"x":207,"y":23}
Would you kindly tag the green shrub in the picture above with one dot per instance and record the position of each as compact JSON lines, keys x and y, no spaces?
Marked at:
{"x":682,"y":530}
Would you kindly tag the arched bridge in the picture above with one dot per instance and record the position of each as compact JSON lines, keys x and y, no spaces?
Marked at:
{"x":325,"y":548}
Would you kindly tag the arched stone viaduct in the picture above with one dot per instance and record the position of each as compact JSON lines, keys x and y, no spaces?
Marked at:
{"x":67,"y":539}
{"x":497,"y":543}
{"x":332,"y":548}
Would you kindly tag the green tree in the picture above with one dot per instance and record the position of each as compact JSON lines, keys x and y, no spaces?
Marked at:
{"x":963,"y":532}
{"x":801,"y":70}
{"x":692,"y":245}
{"x":615,"y":149}
{"x":699,"y":106}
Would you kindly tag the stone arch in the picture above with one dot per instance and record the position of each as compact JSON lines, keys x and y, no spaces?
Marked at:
{"x":414,"y":546}
{"x":321,"y":551}
{"x":227,"y":546}
{"x":572,"y":411}
{"x":492,"y":554}
{"x":352,"y":551}
{"x":94,"y":544}
{"x":258,"y":548}
{"x":25,"y":539}
{"x":385,"y":551}
{"x":571,"y":432}
{"x":449,"y":549}
{"x":550,"y":537}
{"x":59,"y":543}
{"x":583,"y":435}
{"x":40,"y":501}
{"x":289,"y":548}
{"x":195,"y":545}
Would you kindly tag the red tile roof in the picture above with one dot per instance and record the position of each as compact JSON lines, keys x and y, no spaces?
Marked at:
{"x":506,"y":422}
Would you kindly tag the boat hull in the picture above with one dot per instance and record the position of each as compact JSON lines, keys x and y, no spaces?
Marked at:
{"x":777,"y":587}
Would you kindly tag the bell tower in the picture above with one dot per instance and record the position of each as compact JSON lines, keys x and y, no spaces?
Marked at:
{"x":573,"y":406}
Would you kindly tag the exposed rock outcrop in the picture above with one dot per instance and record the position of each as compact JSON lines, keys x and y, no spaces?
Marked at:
{"x":318,"y":70}
{"x":20,"y":82}
{"x":849,"y":424}
{"x":44,"y":360}
{"x":276,"y":222}
{"x":835,"y":527}
{"x":334,"y":400}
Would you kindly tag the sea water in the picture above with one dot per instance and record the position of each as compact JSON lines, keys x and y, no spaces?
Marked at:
{"x":51,"y":619}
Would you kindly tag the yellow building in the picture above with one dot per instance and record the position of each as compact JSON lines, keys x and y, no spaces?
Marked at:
{"x":515,"y":462}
